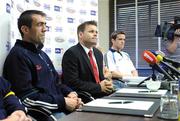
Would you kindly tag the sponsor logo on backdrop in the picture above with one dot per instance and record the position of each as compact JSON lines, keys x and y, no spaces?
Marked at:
{"x":47,"y":6}
{"x":27,"y":1}
{"x":48,"y":28}
{"x":37,"y":3}
{"x":57,"y":8}
{"x":8,"y":45}
{"x":59,"y":50}
{"x":47,"y":50}
{"x":70,"y":1}
{"x":19,"y":8}
{"x":49,"y":18}
{"x":93,"y":12}
{"x":94,"y":3}
{"x":70,"y":20}
{"x":72,"y":40}
{"x":70,"y":10}
{"x":83,"y":12}
{"x":58,"y":29}
{"x":59,"y":39}
{"x":8,"y":8}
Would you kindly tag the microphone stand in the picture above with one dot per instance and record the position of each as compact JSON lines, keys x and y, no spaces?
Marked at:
{"x":153,"y":76}
{"x":173,"y":70}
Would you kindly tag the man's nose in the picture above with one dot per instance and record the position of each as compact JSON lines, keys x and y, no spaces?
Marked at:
{"x":44,"y":28}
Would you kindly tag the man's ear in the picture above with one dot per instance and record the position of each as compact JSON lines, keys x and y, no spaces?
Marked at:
{"x":24,"y":29}
{"x":112,"y":40}
{"x":80,"y":34}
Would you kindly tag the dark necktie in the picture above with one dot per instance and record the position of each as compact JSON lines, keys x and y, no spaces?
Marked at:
{"x":95,"y":70}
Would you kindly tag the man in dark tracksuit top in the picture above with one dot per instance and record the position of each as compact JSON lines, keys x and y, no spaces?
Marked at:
{"x":31,"y":71}
{"x":10,"y":107}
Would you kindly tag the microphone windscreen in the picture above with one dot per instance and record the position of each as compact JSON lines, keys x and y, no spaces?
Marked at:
{"x":158,"y":52}
{"x":149,"y":57}
{"x":159,"y":58}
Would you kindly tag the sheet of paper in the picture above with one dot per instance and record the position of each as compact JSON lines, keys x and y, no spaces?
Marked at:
{"x":133,"y":79}
{"x":141,"y":91}
{"x":136,"y":105}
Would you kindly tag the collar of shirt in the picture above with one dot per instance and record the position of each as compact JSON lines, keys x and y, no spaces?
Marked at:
{"x":30,"y":46}
{"x":87,"y":50}
{"x":113,"y":50}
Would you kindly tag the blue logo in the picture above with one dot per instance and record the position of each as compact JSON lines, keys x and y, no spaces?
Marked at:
{"x":8,"y":45}
{"x":48,"y":28}
{"x":57,"y":8}
{"x":8,"y":8}
{"x":58,"y":29}
{"x":93,"y":12}
{"x":58,"y":50}
{"x":70,"y":20}
{"x":47,"y":50}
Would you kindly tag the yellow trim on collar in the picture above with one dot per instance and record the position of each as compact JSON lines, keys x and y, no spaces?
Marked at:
{"x":8,"y":94}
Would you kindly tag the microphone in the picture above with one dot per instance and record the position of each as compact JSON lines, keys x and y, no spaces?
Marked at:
{"x":173,"y":69}
{"x":165,"y":59}
{"x":150,"y":58}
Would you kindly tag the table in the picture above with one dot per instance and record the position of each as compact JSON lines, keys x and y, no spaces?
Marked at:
{"x":93,"y":116}
{"x":90,"y":116}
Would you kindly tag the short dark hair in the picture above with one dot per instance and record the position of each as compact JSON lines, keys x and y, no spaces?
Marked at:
{"x":26,"y":18}
{"x":115,"y":33}
{"x":82,"y":26}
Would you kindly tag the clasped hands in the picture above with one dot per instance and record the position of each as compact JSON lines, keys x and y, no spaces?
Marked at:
{"x":107,"y":86}
{"x":73,"y":102}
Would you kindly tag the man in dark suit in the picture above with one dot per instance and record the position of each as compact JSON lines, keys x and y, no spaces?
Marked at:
{"x":77,"y":68}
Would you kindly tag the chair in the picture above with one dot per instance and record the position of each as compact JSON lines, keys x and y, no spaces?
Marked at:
{"x":39,"y":110}
{"x":40,"y":114}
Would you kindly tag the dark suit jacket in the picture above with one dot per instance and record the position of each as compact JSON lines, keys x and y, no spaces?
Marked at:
{"x":78,"y":73}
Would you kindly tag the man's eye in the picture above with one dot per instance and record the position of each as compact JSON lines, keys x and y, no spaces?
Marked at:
{"x":92,"y":31}
{"x":41,"y":24}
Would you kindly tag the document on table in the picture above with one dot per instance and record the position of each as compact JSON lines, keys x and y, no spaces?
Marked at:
{"x":138,"y":92}
{"x":133,"y":80}
{"x":141,"y":91}
{"x":125,"y":104}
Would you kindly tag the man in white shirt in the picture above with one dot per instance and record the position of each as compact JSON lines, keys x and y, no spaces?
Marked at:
{"x":117,"y":61}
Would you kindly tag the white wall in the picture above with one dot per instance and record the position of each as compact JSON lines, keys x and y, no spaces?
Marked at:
{"x":103,"y":24}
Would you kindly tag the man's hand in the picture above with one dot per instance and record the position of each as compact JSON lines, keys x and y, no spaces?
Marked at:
{"x":72,"y":95}
{"x":106,"y":86}
{"x":107,"y":73}
{"x":177,"y":35}
{"x":17,"y":116}
{"x":73,"y":102}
